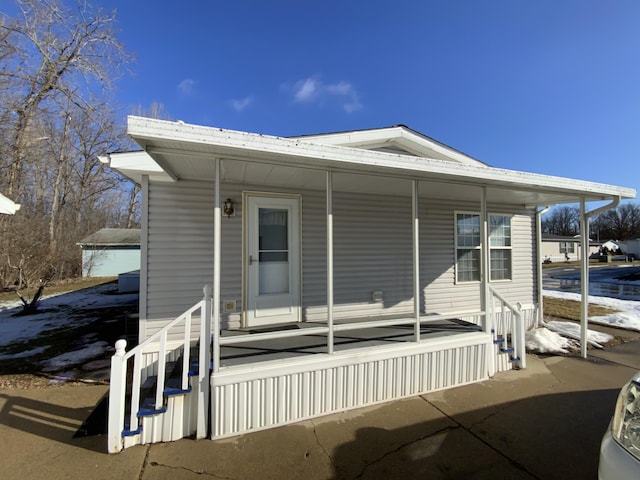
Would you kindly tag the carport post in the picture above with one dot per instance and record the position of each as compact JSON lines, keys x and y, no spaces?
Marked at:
{"x":584,"y":277}
{"x":584,"y":270}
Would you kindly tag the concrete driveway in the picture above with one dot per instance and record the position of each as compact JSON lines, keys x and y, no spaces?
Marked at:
{"x":544,"y":422}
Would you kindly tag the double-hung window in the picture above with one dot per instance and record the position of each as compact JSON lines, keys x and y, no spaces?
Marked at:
{"x":467,"y":247}
{"x":500,"y":247}
{"x":567,"y":247}
{"x":469,"y":251}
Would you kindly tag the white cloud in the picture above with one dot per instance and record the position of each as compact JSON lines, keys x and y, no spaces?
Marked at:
{"x":306,"y":90}
{"x":187,"y":86}
{"x":312,"y":89}
{"x":241,"y":104}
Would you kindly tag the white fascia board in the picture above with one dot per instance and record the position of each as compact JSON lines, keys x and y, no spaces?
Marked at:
{"x":135,"y":164}
{"x":402,"y":136}
{"x":297,"y":152}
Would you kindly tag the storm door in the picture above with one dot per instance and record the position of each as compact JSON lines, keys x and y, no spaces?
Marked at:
{"x":272,"y":259}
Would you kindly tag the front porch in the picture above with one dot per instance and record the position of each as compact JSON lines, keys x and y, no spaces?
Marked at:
{"x":269,"y":378}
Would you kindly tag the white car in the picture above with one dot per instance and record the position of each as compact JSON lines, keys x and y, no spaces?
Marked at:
{"x":620,"y":448}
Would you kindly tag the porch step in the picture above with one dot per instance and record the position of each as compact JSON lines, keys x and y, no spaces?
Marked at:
{"x":173,"y":387}
{"x":148,"y":408}
{"x":194,"y":368}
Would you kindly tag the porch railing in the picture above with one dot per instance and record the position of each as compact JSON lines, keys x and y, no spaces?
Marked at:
{"x":118,"y":427}
{"x":507,"y":327}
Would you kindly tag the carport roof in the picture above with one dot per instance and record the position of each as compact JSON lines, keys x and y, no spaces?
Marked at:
{"x":378,"y":157}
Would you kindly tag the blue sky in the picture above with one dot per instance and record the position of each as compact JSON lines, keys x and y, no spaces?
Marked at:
{"x":546,"y":86}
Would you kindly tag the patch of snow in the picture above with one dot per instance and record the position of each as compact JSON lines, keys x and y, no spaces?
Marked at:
{"x":628,"y":315}
{"x":24,"y":354}
{"x":76,"y":357}
{"x":574,"y":329}
{"x":543,"y":340}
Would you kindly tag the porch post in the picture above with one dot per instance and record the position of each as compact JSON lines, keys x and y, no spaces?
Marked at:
{"x":330,"y":261}
{"x":540,"y":313}
{"x":584,"y":277}
{"x":217,"y":255}
{"x":485,"y":298}
{"x":416,"y":256}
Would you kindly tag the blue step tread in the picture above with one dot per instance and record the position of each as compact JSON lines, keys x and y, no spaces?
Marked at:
{"x":506,"y":350}
{"x":173,"y":387}
{"x":148,"y":408}
{"x":498,"y":340}
{"x":150,"y":412}
{"x":131,"y":433}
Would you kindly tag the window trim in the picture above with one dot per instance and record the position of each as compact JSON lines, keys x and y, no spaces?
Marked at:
{"x":479,"y":247}
{"x":563,"y":247}
{"x":510,"y":247}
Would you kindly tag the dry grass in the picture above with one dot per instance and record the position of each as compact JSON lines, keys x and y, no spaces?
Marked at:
{"x":570,"y":309}
{"x":58,"y":287}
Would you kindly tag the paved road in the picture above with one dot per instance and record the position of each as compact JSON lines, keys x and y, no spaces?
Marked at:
{"x":602,"y":280}
{"x":544,"y":422}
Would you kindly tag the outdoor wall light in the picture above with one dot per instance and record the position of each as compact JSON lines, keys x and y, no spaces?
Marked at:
{"x":229,"y":207}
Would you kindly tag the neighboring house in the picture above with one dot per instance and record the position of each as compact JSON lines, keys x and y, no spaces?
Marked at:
{"x":7,"y":206}
{"x":558,"y":248}
{"x":110,"y":252}
{"x":345,"y":270}
{"x":631,"y":247}
{"x":610,"y":246}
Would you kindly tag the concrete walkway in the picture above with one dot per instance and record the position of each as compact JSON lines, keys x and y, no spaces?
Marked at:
{"x":544,"y":422}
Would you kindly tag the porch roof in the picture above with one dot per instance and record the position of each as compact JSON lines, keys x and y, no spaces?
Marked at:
{"x":175,"y":151}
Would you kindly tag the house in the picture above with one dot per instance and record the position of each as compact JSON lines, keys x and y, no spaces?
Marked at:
{"x":7,"y":206}
{"x":610,"y":246}
{"x":631,"y":247}
{"x":338,"y":271}
{"x":110,"y":252}
{"x":560,"y":248}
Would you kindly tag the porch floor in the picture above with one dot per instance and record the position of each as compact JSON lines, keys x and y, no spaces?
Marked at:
{"x":283,"y":348}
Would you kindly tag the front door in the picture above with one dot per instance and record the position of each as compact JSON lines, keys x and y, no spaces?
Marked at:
{"x":272,"y":259}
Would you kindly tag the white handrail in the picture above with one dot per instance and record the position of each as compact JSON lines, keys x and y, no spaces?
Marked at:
{"x":517,"y":327}
{"x":119,"y":361}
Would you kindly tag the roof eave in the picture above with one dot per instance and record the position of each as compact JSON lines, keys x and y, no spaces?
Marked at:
{"x":154,"y":135}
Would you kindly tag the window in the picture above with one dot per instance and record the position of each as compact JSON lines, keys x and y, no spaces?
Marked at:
{"x":500,"y":247}
{"x":467,"y":247}
{"x":567,"y":247}
{"x":468,"y":250}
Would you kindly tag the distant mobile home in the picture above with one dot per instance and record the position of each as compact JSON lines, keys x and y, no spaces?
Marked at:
{"x":110,"y":252}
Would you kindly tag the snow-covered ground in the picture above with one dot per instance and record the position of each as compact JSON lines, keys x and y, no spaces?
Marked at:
{"x":545,"y":340}
{"x":60,"y":311}
{"x":55,"y":314}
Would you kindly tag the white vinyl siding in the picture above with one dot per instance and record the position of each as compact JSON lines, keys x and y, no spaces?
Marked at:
{"x":372,"y":253}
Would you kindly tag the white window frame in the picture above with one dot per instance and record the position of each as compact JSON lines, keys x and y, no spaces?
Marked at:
{"x":502,"y":247}
{"x":479,"y":246}
{"x":457,"y":248}
{"x":567,"y":247}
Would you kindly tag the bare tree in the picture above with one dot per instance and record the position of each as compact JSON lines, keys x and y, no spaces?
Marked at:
{"x":564,"y":221}
{"x":621,"y":223}
{"x":56,"y":66}
{"x":48,"y":53}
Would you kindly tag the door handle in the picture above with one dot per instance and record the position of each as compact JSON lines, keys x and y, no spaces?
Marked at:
{"x":251,"y":259}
